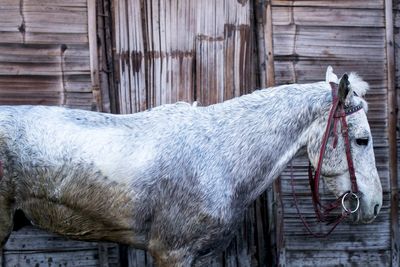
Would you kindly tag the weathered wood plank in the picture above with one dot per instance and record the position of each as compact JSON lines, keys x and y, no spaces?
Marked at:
{"x":34,"y":239}
{"x":94,"y":56}
{"x":355,"y":4}
{"x":392,"y":128}
{"x":338,"y":258}
{"x":335,"y":43}
{"x":64,"y":258}
{"x":327,"y":16}
{"x":27,"y":22}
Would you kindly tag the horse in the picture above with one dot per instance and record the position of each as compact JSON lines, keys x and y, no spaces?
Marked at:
{"x":175,"y":180}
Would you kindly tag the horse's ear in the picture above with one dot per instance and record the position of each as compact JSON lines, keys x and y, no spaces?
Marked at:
{"x":330,"y":76}
{"x":344,"y":88}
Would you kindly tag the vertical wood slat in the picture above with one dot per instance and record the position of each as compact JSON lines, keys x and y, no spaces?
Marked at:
{"x":277,"y":188}
{"x":114,"y":10}
{"x":269,"y":47}
{"x":105,"y":55}
{"x":109,"y":55}
{"x":392,"y":133}
{"x":267,"y":79}
{"x":93,"y":50}
{"x":103,"y":255}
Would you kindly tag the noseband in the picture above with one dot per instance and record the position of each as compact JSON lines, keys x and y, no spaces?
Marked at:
{"x":337,"y":114}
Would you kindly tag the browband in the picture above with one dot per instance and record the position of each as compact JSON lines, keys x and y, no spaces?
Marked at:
{"x":352,"y":109}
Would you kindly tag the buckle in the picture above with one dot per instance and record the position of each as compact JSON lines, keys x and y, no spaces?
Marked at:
{"x":350,"y":194}
{"x":345,"y":131}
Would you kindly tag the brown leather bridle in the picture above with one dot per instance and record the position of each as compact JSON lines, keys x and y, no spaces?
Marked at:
{"x":337,"y":114}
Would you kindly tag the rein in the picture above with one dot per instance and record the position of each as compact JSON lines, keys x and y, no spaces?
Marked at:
{"x":337,"y":115}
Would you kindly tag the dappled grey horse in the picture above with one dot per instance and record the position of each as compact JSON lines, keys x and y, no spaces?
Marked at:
{"x":175,"y":180}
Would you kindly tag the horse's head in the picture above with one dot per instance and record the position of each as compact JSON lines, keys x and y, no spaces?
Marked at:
{"x":335,"y":170}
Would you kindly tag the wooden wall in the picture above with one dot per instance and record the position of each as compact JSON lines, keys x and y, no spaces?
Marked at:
{"x":168,"y":51}
{"x":396,"y":44}
{"x":44,"y":53}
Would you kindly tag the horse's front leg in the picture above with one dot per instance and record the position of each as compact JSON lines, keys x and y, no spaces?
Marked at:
{"x":172,"y":258}
{"x":6,"y":219}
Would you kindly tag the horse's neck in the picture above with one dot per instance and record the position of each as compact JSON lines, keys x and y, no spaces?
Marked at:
{"x":271,"y":132}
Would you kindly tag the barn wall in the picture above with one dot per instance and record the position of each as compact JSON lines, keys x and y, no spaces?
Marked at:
{"x":45,"y":59}
{"x":207,"y":51}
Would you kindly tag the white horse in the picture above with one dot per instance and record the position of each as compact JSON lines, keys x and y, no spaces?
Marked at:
{"x":175,"y":180}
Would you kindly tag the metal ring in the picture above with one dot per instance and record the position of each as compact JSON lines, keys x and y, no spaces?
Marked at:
{"x":353,"y":195}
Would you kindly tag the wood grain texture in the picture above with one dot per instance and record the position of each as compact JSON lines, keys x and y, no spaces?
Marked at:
{"x":354,"y":4}
{"x":44,"y":53}
{"x":94,"y":56}
{"x":34,"y":247}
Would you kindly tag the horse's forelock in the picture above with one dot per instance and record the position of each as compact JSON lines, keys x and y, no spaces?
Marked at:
{"x":358,"y":85}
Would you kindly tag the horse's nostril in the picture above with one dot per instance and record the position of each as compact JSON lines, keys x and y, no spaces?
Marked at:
{"x":376,"y":209}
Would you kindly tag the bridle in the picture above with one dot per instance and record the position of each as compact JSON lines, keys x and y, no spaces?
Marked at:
{"x":337,"y":114}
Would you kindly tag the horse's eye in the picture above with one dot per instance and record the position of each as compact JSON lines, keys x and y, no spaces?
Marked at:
{"x":362,"y":141}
